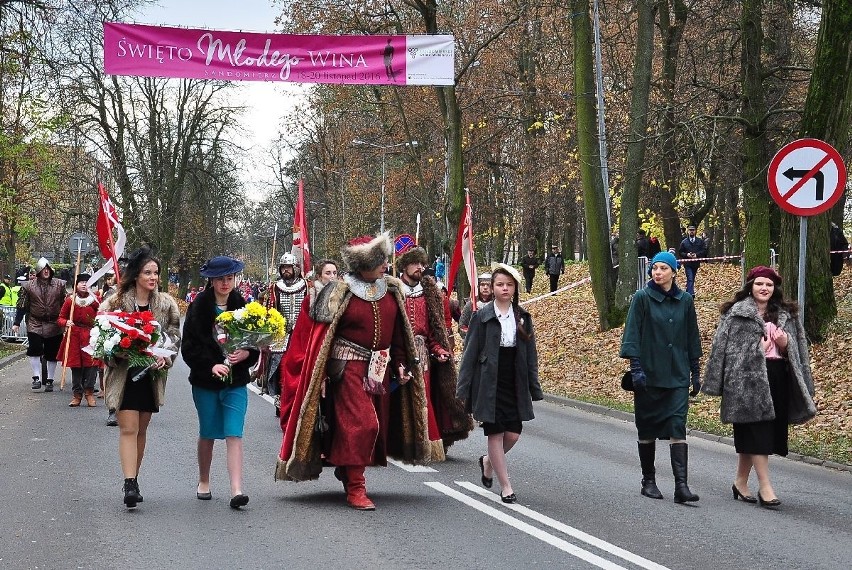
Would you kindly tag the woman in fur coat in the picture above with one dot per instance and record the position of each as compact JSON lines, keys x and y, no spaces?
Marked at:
{"x":759,"y":364}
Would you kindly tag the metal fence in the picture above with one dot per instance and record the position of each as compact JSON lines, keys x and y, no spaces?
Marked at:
{"x":8,"y":319}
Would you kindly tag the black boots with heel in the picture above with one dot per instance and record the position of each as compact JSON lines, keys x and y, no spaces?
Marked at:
{"x":131,"y":493}
{"x":646,"y":458}
{"x":680,"y":460}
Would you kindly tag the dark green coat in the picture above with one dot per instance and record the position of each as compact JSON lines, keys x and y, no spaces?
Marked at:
{"x":662,"y":332}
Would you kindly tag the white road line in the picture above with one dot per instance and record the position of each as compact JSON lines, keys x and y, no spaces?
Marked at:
{"x":562,"y":527}
{"x":253,"y":387}
{"x":412,"y":468}
{"x":500,"y":515}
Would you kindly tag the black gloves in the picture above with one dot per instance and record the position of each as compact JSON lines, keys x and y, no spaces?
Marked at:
{"x":695,"y":377}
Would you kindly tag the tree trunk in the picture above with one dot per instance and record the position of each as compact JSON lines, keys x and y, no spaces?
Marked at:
{"x":828,"y":110}
{"x":597,"y":232}
{"x":755,"y":156}
{"x":634,"y":167}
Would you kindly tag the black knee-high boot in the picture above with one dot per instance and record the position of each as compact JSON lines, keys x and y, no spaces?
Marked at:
{"x":646,"y":458}
{"x":680,"y":460}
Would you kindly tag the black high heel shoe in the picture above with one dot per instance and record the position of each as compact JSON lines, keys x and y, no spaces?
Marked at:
{"x":764,"y":503}
{"x":487,"y":482}
{"x":739,"y":494}
{"x":238,"y":501}
{"x":510,"y":498}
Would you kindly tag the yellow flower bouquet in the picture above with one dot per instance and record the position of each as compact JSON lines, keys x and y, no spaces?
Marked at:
{"x":253,"y":326}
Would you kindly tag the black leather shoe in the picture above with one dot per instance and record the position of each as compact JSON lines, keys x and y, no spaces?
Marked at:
{"x":131,"y":497}
{"x":487,"y":482}
{"x":776,"y":502}
{"x":238,"y":501}
{"x":203,"y":496}
{"x":739,"y":494}
{"x":510,"y":498}
{"x":48,"y":386}
{"x":36,"y":383}
{"x":138,"y":492}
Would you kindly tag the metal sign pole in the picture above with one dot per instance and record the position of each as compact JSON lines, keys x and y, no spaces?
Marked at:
{"x":803,"y":240}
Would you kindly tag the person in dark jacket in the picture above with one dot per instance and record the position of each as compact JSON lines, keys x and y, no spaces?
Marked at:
{"x":529,"y":264}
{"x":642,"y":244}
{"x":498,"y":379}
{"x":837,"y":243}
{"x":662,"y":342}
{"x":554,"y":266}
{"x":760,"y":367}
{"x":692,"y":247}
{"x":221,"y":406}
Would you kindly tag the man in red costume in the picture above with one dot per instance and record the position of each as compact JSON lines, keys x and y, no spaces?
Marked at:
{"x":346,"y":417}
{"x":424,"y":307}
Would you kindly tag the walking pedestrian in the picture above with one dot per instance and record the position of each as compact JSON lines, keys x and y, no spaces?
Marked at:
{"x":529,"y":263}
{"x":84,"y":369}
{"x":136,"y":401}
{"x":218,"y":389}
{"x":692,"y":247}
{"x":554,"y":266}
{"x":484,"y":294}
{"x":498,"y":379}
{"x":760,"y":367}
{"x":662,"y":342}
{"x":40,"y":300}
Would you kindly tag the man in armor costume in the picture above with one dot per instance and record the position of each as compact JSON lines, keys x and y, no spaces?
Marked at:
{"x":361,"y":396}
{"x":41,"y":299}
{"x":286,"y":295}
{"x":424,"y":307}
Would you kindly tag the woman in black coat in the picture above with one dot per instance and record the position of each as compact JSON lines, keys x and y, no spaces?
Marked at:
{"x":498,"y":379}
{"x":218,"y":389}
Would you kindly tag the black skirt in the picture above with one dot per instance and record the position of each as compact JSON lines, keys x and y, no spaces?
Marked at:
{"x":660,"y":413}
{"x":769,"y":437}
{"x":139,"y":395}
{"x":506,"y":417}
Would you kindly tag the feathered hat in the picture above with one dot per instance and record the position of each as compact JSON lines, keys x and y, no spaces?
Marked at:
{"x":411,"y":254}
{"x":366,"y":253}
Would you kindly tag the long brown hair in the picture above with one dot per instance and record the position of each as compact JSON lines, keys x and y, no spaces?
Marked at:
{"x":516,"y":308}
{"x":775,"y":303}
{"x":138,"y":259}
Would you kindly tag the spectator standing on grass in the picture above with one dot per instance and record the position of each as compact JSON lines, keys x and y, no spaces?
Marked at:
{"x":554,"y":266}
{"x":692,"y":247}
{"x":529,"y":263}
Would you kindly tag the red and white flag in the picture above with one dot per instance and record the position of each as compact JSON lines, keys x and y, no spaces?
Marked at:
{"x":301,"y":247}
{"x":111,"y":246}
{"x":464,"y":253}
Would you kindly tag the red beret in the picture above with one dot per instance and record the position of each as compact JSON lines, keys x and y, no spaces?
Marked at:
{"x":763,"y":271}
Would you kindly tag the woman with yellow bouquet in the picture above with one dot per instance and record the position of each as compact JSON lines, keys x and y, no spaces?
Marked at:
{"x":219,"y":372}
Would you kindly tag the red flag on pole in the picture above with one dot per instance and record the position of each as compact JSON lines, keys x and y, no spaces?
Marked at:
{"x":464,"y":252}
{"x":111,"y":249}
{"x":301,"y":247}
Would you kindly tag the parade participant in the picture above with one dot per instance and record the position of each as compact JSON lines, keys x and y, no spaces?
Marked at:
{"x":40,"y":299}
{"x":84,"y":369}
{"x":484,"y":294}
{"x":662,"y":342}
{"x":759,"y":364}
{"x":137,"y":401}
{"x":221,"y":406}
{"x":286,"y":295}
{"x":529,"y":263}
{"x":6,"y":290}
{"x":424,"y":307}
{"x":358,"y":337}
{"x":498,"y":379}
{"x":692,"y":247}
{"x":291,"y":365}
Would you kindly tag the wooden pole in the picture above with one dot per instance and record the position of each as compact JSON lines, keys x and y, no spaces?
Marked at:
{"x":66,"y":338}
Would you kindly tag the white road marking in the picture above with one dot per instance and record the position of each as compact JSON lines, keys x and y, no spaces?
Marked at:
{"x":564,"y":528}
{"x":253,"y":387}
{"x":412,"y":468}
{"x":502,"y":516}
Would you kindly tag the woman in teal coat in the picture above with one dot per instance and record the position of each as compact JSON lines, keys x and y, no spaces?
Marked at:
{"x":662,"y":342}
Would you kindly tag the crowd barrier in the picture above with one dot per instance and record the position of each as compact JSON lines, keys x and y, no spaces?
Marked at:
{"x":6,"y":326}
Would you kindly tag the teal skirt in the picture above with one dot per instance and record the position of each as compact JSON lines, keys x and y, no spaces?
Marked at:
{"x":660,"y":413}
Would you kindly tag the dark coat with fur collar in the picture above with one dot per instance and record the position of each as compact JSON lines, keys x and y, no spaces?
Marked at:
{"x":200,"y":350}
{"x":736,"y":369}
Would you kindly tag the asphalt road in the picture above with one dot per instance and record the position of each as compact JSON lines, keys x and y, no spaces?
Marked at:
{"x":576,"y":475}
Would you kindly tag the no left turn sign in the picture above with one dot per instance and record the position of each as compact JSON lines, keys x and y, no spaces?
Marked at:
{"x":806,"y":177}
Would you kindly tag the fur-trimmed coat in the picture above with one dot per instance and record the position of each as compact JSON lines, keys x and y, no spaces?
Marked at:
{"x":300,"y":456}
{"x":736,"y":369}
{"x":166,"y":313}
{"x":455,"y":424}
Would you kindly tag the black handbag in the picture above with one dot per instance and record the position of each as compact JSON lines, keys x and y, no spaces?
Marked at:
{"x":627,"y":381}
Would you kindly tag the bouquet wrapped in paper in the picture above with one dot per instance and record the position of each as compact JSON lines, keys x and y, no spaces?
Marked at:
{"x":136,"y":337}
{"x":253,"y":326}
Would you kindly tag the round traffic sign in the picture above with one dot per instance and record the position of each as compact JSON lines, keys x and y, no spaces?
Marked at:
{"x":403,"y":243}
{"x":806,"y":177}
{"x":79,"y":242}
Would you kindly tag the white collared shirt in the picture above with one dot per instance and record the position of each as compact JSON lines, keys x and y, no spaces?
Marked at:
{"x":508,"y":327}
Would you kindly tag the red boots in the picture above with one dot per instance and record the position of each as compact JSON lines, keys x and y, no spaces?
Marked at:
{"x":356,"y":489}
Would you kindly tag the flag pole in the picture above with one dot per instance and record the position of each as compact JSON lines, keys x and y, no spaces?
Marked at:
{"x":67,"y":336}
